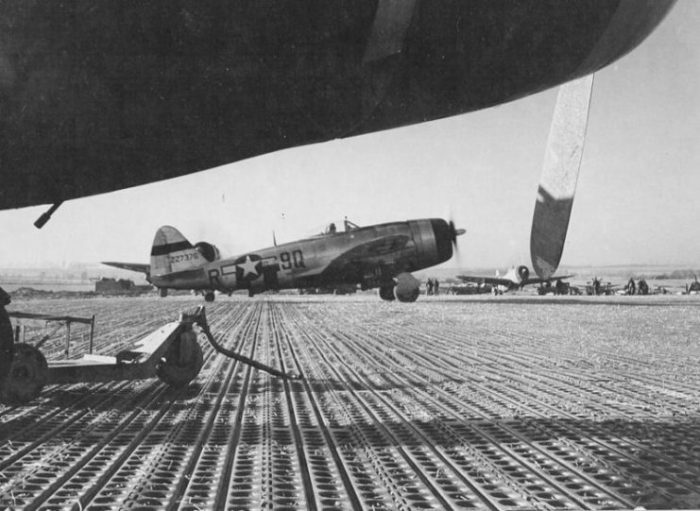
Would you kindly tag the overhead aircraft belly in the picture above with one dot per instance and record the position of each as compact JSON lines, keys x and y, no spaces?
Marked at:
{"x":101,"y":96}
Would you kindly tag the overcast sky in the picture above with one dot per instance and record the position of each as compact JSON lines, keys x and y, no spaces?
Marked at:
{"x":635,"y":203}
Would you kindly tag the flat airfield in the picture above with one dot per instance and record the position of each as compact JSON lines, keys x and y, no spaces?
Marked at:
{"x":448,"y":403}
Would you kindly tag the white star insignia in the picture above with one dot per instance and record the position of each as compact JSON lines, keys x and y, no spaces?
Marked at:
{"x":248,"y":266}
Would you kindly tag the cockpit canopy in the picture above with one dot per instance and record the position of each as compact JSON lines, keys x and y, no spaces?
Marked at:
{"x":333,"y":227}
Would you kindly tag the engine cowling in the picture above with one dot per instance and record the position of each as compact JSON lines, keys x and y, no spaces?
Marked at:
{"x":208,"y":251}
{"x":523,"y":273}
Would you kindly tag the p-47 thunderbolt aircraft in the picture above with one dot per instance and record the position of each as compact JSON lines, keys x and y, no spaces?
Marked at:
{"x":515,"y":278}
{"x":375,"y":256}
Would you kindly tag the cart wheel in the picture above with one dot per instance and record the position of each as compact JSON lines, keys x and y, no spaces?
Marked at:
{"x":29,"y":373}
{"x":182,"y":361}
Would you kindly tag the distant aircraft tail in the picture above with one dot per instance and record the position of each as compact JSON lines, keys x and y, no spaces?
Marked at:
{"x":171,"y":252}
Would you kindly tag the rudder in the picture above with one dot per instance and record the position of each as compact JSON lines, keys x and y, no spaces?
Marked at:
{"x":171,"y":252}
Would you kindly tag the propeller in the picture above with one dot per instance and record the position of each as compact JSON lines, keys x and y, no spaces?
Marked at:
{"x":453,"y":232}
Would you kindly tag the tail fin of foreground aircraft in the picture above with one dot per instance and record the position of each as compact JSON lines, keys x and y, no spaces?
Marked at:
{"x":171,"y":252}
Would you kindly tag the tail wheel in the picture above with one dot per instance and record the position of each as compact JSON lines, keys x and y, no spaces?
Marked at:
{"x":387,"y":293}
{"x":28,"y":374}
{"x":182,"y":361}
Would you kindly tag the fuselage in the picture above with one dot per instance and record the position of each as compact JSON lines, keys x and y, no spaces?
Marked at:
{"x":368,"y":256}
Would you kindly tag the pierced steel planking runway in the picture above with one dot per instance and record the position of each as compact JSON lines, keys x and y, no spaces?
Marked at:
{"x":446,"y":403}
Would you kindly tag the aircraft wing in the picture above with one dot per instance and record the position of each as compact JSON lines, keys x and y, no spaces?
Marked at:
{"x":375,"y":248}
{"x":355,"y":260}
{"x":500,"y":281}
{"x":494,"y":281}
{"x":542,"y":281}
{"x":90,"y":89}
{"x":142,"y":268}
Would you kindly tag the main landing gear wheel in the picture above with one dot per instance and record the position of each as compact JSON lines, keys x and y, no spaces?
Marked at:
{"x":407,"y":287}
{"x":163,"y":292}
{"x":182,"y":361}
{"x":28,"y":374}
{"x":387,"y":293}
{"x":209,"y":296}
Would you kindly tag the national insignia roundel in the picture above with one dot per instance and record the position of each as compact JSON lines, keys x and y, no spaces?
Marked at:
{"x":248,"y":267}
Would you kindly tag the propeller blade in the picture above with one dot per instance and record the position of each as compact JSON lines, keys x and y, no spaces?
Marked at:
{"x":557,"y":188}
{"x":454,"y":232}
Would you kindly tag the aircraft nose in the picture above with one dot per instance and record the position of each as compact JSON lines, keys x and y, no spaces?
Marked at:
{"x":445,"y":237}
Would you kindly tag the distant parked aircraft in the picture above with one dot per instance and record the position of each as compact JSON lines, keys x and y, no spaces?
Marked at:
{"x":375,"y":256}
{"x":693,"y":288}
{"x":515,"y":278}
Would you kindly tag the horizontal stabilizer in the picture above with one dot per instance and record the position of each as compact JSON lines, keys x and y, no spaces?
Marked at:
{"x":142,"y":268}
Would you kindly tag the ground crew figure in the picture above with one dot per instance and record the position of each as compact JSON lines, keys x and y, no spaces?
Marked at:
{"x":561,"y":287}
{"x":7,"y":342}
{"x":694,"y":287}
{"x":596,"y":286}
{"x":643,"y":287}
{"x":429,"y":286}
{"x":436,"y":287}
{"x":631,"y":288}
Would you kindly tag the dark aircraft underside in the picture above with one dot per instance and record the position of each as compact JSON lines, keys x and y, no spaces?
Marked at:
{"x":98,"y":96}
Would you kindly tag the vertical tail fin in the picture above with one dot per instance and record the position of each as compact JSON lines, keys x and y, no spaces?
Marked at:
{"x":171,"y":252}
